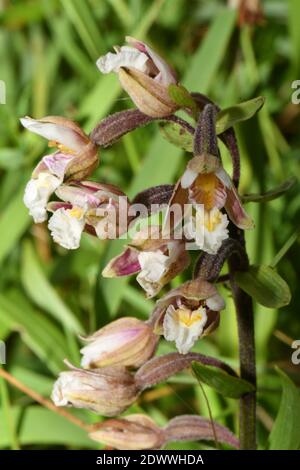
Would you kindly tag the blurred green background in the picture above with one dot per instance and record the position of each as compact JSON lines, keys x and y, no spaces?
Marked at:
{"x":48,"y":295}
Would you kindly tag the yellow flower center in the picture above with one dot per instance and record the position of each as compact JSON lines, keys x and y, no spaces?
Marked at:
{"x":61,"y":147}
{"x":188,"y":317}
{"x":212,"y":219}
{"x":204,"y":189}
{"x":76,"y":212}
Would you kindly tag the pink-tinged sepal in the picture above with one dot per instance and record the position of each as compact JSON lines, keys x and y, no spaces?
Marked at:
{"x":166,"y":74}
{"x":125,"y":264}
{"x":236,"y":212}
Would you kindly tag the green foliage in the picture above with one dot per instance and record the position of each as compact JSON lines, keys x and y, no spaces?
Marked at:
{"x":265,"y":285}
{"x":223,"y":383}
{"x":285,"y":433}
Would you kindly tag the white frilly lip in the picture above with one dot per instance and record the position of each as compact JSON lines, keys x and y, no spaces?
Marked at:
{"x":207,"y":240}
{"x":37,"y":193}
{"x":183,"y":335}
{"x":124,"y":57}
{"x":66,"y":230}
{"x":64,"y":135}
{"x":154,"y":265}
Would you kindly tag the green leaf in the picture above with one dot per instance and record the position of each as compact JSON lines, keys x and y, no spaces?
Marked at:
{"x":176,"y":135}
{"x":285,"y":434}
{"x":265,"y":285}
{"x":13,"y":223}
{"x":223,"y":383}
{"x":293,"y":23}
{"x":39,"y":333}
{"x":43,"y":427}
{"x":226,"y":118}
{"x":206,"y":61}
{"x":273,"y":193}
{"x":240,"y":112}
{"x":42,"y":293}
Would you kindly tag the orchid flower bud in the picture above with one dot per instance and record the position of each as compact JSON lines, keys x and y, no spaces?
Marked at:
{"x":99,"y":209}
{"x":139,"y":432}
{"x":156,"y":260}
{"x":107,"y":391}
{"x":128,"y":342}
{"x":144,"y":75}
{"x":133,"y":432}
{"x":188,"y":313}
{"x":75,"y":158}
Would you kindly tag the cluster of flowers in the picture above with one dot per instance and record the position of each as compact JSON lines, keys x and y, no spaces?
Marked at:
{"x":106,"y":383}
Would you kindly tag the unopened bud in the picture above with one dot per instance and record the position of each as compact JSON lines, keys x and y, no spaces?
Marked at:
{"x":128,"y":342}
{"x":134,"y":432}
{"x":108,"y":391}
{"x":144,"y":75}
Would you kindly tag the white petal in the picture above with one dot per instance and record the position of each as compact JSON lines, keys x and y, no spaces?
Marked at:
{"x":125,"y":57}
{"x":57,"y":163}
{"x":66,"y":228}
{"x":188,"y":178}
{"x":215,"y":303}
{"x":170,"y":324}
{"x":184,"y":334}
{"x":54,"y":132}
{"x":37,"y":194}
{"x":153,"y":264}
{"x":209,"y":229}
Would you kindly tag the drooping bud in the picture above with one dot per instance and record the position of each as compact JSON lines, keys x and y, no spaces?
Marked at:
{"x":75,"y":158}
{"x":144,"y":75}
{"x":133,"y":432}
{"x":139,"y":432}
{"x":107,"y":391}
{"x":128,"y":342}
